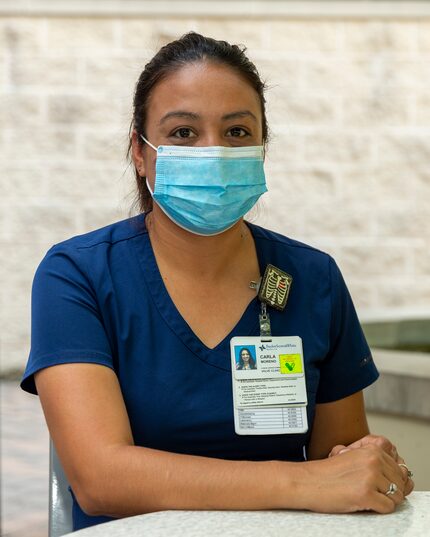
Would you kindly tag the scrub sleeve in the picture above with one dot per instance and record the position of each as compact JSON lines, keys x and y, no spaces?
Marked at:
{"x":66,"y":325}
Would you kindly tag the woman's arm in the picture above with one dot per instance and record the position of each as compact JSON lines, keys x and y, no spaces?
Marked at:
{"x":89,"y":425}
{"x":340,"y":422}
{"x":110,"y":476}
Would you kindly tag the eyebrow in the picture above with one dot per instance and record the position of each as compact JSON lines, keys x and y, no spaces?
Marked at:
{"x":239,"y":114}
{"x":179,"y":113}
{"x":192,"y":115}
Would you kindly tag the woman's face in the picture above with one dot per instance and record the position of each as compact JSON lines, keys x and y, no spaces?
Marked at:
{"x":202,"y":104}
{"x":245,"y":355}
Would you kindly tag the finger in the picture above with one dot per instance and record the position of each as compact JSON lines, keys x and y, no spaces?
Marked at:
{"x":409,"y":487}
{"x":386,"y":445}
{"x":393,"y":471}
{"x":390,"y":471}
{"x":394,"y":453}
{"x":392,"y":491}
{"x":336,"y":450}
{"x":407,"y":475}
{"x":359,"y":443}
{"x":404,"y":469}
{"x":375,"y":440}
{"x":381,"y":503}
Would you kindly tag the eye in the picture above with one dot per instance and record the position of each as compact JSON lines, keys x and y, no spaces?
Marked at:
{"x":237,"y":132}
{"x":183,"y":132}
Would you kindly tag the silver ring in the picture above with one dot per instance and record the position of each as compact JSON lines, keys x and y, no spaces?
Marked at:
{"x":410,"y":474}
{"x":392,"y":489}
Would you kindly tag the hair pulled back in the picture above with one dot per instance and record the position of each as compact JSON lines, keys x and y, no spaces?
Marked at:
{"x":190,"y":48}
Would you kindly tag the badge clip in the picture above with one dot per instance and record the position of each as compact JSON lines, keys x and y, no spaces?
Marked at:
{"x":275,"y":288}
{"x":265,"y":329}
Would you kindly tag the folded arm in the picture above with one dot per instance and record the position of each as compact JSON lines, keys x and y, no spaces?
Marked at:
{"x":88,"y":422}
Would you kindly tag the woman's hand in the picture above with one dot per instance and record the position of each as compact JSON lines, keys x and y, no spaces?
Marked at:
{"x":387,"y":446}
{"x":355,"y":480}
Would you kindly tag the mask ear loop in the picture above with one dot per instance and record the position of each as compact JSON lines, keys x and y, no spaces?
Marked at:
{"x":149,"y":188}
{"x":148,"y":142}
{"x":153,"y":147}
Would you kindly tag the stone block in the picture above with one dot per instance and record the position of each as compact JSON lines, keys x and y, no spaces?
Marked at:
{"x":326,"y":74}
{"x":274,"y":213}
{"x":15,"y":311}
{"x":18,"y":183}
{"x":421,"y":257}
{"x":302,"y":185}
{"x":424,"y":36}
{"x":362,"y":293}
{"x":375,"y":74}
{"x":336,"y":146}
{"x":280,"y":75}
{"x":80,"y":183}
{"x":372,"y":258}
{"x":21,"y":35}
{"x":20,"y":259}
{"x":357,"y":185}
{"x":303,"y":37}
{"x":403,"y":220}
{"x":14,"y":354}
{"x":82,"y":109}
{"x":95,"y":217}
{"x":284,"y":147}
{"x":292,"y":108}
{"x":151,"y":34}
{"x":48,"y":144}
{"x":45,"y":224}
{"x":364,"y":37}
{"x":20,"y":109}
{"x":398,"y":291}
{"x":40,"y":72}
{"x":408,"y":74}
{"x":376,"y":108}
{"x":423,"y":109}
{"x":110,"y":73}
{"x":146,"y":36}
{"x":81,"y":36}
{"x":400,"y":181}
{"x":325,"y":218}
{"x":253,"y":34}
{"x":104,"y":145}
{"x":407,"y":149}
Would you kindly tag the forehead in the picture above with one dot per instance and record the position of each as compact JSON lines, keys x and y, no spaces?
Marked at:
{"x":205,"y":88}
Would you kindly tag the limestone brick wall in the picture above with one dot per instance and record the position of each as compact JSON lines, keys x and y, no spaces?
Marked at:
{"x":348,"y":164}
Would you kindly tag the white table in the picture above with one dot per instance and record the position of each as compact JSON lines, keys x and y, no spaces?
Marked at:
{"x":411,"y":519}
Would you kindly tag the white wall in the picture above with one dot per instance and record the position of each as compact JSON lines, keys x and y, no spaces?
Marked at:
{"x":348,"y":165}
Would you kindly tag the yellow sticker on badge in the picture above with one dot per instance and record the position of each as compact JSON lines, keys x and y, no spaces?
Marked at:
{"x":290,"y":363}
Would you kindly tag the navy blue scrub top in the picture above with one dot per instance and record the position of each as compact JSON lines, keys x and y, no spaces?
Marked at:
{"x":100,"y":298}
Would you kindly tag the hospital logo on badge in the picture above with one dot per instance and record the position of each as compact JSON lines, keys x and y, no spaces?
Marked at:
{"x":275,"y":287}
{"x":290,"y":364}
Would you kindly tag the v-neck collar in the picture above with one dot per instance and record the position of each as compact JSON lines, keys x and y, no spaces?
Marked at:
{"x":219,"y":356}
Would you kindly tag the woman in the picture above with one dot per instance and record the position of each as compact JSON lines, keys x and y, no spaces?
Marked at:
{"x":137,"y":433}
{"x":246,"y":361}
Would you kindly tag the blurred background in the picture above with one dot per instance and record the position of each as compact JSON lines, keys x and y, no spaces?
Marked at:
{"x":348,"y":169}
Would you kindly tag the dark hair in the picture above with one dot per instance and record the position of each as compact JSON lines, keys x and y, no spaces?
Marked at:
{"x":251,"y":359}
{"x":192,"y":47}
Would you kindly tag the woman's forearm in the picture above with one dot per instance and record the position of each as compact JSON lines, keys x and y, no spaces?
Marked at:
{"x":140,"y":480}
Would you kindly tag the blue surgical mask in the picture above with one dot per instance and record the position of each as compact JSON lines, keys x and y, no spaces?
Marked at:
{"x":206,"y":190}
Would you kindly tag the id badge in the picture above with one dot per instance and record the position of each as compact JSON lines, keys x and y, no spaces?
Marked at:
{"x":269,"y":385}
